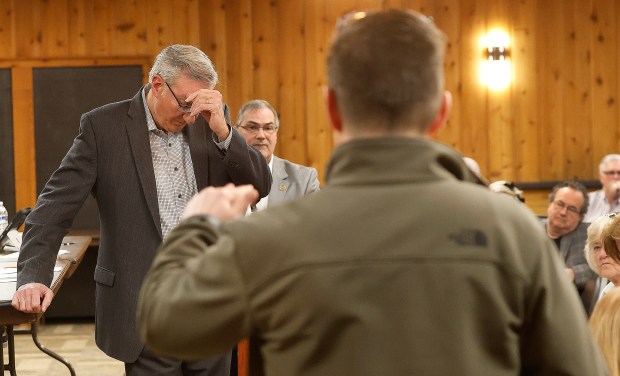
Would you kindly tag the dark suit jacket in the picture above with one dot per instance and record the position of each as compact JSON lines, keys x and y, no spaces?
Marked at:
{"x":111,"y":158}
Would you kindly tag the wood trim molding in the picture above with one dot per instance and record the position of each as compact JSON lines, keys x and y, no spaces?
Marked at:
{"x":79,"y":62}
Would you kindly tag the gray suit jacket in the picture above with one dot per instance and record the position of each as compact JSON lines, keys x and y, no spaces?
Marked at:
{"x":111,"y":158}
{"x":291,"y":181}
{"x":571,"y":252}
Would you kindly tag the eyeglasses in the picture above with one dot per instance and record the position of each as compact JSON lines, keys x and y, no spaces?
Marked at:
{"x":559,"y":204}
{"x":253,"y":129}
{"x":185,"y":108}
{"x":610,"y":173}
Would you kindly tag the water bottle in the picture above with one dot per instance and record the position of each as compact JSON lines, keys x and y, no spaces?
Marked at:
{"x":4,"y":217}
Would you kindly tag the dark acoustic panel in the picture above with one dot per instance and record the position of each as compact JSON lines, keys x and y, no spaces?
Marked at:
{"x":61,"y":96}
{"x":7,"y":161}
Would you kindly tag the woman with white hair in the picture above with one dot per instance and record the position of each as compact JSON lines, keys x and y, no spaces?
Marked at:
{"x":607,"y":268}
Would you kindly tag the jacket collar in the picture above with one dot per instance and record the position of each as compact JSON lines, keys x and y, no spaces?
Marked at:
{"x":395,"y":160}
{"x":280,"y":183}
{"x":137,"y":132}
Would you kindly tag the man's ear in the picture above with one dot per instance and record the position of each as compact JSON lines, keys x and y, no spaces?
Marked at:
{"x":442,"y":115}
{"x":157,"y":83}
{"x":332,"y":109}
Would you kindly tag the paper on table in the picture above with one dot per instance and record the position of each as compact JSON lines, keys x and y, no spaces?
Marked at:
{"x":10,"y":248}
{"x":14,"y":255}
{"x":9,"y":273}
{"x":15,"y":238}
{"x":10,"y":256}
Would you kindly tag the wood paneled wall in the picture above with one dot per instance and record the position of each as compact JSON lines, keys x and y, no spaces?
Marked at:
{"x":556,"y":121}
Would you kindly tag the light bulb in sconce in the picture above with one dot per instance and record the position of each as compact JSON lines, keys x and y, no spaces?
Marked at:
{"x":495,"y":69}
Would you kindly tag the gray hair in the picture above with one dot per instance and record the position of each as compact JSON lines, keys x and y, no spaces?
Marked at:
{"x":572,"y":184}
{"x":386,"y":69}
{"x":595,"y":233}
{"x":256,"y":104}
{"x":183,"y":60}
{"x":606,"y":159}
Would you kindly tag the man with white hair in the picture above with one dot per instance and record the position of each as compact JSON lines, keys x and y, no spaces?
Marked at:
{"x":607,"y":199}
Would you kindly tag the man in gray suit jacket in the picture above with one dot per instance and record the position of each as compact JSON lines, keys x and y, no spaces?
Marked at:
{"x":142,"y":159}
{"x":258,"y":123}
{"x":568,"y":203}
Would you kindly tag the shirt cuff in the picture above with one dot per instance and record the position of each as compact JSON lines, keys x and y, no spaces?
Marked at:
{"x":223,"y":145}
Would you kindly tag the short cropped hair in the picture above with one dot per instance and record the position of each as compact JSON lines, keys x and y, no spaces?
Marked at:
{"x":183,"y":60}
{"x":606,"y":159}
{"x":256,"y":104}
{"x":386,"y":69}
{"x":573,"y":184}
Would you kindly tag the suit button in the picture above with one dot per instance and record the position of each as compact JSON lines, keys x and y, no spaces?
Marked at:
{"x":233,"y":164}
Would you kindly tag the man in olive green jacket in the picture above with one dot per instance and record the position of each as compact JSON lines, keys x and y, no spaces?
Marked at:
{"x":400,"y":266}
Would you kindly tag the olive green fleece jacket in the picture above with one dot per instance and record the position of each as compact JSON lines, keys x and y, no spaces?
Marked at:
{"x":399,"y":266}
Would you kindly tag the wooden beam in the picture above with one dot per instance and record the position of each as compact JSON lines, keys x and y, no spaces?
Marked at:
{"x":23,"y":137}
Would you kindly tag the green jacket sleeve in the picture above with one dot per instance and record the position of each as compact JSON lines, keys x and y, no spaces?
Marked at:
{"x":192,"y":293}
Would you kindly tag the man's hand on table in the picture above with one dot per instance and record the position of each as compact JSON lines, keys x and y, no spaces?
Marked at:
{"x":32,"y":298}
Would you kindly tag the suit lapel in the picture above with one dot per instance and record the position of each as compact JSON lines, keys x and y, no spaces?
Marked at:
{"x":197,"y":138}
{"x":280,"y":183}
{"x":137,"y":132}
{"x":565,"y":245}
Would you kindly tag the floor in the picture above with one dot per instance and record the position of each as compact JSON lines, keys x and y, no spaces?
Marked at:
{"x":73,"y":341}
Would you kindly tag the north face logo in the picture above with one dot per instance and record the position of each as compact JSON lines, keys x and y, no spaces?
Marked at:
{"x":471,"y":237}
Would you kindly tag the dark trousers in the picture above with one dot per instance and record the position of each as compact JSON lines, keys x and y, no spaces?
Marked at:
{"x":150,"y":364}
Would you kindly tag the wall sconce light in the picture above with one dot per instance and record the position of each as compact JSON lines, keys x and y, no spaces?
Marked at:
{"x":495,"y":69}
